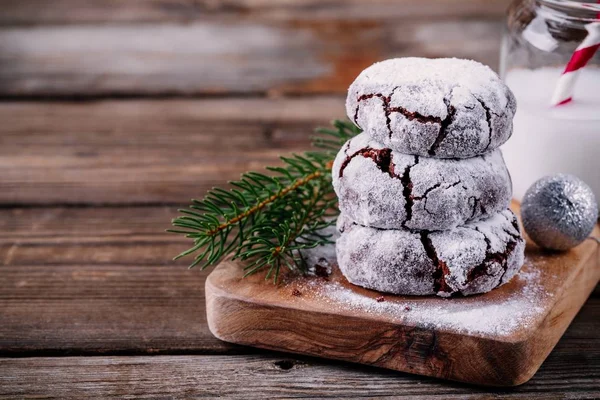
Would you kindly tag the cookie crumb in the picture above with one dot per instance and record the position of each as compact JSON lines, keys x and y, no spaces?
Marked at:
{"x":380,"y":299}
{"x":296,"y":293}
{"x":321,"y":271}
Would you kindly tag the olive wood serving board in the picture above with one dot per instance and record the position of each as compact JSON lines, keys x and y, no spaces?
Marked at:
{"x":499,"y":338}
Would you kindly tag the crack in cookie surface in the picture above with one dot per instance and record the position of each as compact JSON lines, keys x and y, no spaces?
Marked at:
{"x":444,"y":124}
{"x":499,"y":257}
{"x":488,"y":118}
{"x":477,"y":205}
{"x":413,"y":115}
{"x":515,"y":223}
{"x":415,"y":192}
{"x":439,"y":275}
{"x":432,"y":188}
{"x":510,"y":247}
{"x":429,"y":94}
{"x":384,"y":162}
{"x":387,"y":110}
{"x":426,"y":193}
{"x":381,"y":157}
{"x":407,"y":192}
{"x":433,"y":260}
{"x":366,"y":97}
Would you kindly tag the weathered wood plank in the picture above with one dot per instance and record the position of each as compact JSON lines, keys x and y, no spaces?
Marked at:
{"x":189,"y":114}
{"x":225,"y":56}
{"x":146,"y":152}
{"x":88,"y":237}
{"x":565,"y":375}
{"x":32,"y":12}
{"x":61,"y":224}
{"x":97,"y":280}
{"x":100,"y":280}
{"x":81,"y":280}
{"x":88,"y":280}
{"x":62,"y":236}
{"x":83,"y":309}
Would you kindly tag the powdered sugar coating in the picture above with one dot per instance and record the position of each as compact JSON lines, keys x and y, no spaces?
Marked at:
{"x":444,"y":108}
{"x":386,"y":189}
{"x":470,"y":259}
{"x":523,"y":307}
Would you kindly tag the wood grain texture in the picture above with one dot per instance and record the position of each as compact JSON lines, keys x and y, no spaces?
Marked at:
{"x":271,"y":376}
{"x":89,"y":280}
{"x":92,"y":279}
{"x":60,"y":224}
{"x":300,"y":316}
{"x":225,"y":56}
{"x":98,"y":280}
{"x":37,"y":12}
{"x":100,"y":309}
{"x":129,"y":299}
{"x":146,"y":151}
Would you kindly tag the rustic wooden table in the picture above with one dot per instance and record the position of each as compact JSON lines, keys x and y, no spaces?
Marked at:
{"x":113,"y":114}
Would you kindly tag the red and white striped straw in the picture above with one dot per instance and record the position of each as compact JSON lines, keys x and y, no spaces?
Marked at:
{"x":563,"y":93}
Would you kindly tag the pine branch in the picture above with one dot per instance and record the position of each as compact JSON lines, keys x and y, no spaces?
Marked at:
{"x":267,"y":220}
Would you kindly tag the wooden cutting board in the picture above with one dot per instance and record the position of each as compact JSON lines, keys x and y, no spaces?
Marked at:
{"x":499,"y":338}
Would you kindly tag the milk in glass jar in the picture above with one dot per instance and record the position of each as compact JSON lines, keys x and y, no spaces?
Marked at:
{"x":550,"y":62}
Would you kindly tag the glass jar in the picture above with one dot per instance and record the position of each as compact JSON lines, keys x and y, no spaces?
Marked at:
{"x":540,"y":39}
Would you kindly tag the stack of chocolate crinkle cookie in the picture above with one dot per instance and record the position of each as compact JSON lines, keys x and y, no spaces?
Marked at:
{"x":424,"y":191}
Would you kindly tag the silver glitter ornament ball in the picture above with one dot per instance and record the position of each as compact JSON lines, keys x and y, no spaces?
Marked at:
{"x":559,"y":211}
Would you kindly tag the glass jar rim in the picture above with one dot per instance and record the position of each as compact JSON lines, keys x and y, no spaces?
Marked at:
{"x":571,"y":11}
{"x":573,"y":5}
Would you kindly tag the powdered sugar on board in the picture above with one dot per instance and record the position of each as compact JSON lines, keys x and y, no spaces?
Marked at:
{"x":504,"y":311}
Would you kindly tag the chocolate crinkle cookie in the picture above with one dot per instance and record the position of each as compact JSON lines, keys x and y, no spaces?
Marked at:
{"x":470,"y":259}
{"x":443,"y":108}
{"x":382,"y":188}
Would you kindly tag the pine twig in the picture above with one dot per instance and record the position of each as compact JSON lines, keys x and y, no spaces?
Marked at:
{"x":267,"y":220}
